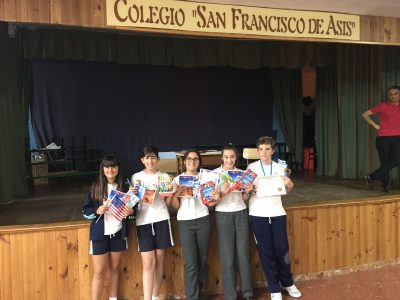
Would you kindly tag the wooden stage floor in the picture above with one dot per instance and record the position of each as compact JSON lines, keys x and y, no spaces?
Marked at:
{"x":62,"y":202}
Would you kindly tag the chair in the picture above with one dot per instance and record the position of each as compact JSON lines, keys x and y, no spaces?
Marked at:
{"x":312,"y":158}
{"x":250,"y":153}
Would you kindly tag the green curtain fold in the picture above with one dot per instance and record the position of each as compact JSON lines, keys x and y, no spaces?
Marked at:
{"x":326,"y":122}
{"x":13,"y":118}
{"x":359,"y":81}
{"x":287,"y":97}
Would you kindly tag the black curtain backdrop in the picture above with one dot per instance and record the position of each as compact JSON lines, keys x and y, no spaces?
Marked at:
{"x":120,"y":109}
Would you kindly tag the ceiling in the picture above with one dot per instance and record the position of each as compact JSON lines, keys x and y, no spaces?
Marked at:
{"x":387,"y":8}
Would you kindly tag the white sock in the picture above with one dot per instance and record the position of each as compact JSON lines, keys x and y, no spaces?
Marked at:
{"x":155,"y":298}
{"x":112,"y":298}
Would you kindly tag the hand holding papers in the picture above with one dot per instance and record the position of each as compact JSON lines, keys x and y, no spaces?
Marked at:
{"x":270,"y":186}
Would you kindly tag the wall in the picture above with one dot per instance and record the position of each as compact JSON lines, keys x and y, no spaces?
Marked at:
{"x":91,"y":13}
{"x":52,"y":261}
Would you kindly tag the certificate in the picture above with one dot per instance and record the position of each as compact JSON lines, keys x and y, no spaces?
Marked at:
{"x":270,"y":186}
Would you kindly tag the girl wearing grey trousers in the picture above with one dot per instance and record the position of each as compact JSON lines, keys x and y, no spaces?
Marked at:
{"x":233,"y":232}
{"x":194,"y":230}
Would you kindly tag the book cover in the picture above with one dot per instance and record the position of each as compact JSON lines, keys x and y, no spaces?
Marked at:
{"x":188,"y":181}
{"x":146,"y":195}
{"x":232,"y":177}
{"x":248,"y":176}
{"x":165,"y":187}
{"x":131,"y":199}
{"x":206,"y":190}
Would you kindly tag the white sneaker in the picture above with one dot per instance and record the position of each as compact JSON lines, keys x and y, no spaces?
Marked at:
{"x":293,"y":291}
{"x":276,"y":296}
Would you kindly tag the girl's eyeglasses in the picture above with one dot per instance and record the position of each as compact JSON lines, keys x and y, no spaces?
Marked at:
{"x":194,"y":159}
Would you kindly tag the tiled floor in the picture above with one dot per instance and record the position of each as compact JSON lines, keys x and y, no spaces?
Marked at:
{"x":382,"y":283}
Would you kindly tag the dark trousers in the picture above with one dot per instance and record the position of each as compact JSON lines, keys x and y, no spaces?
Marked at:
{"x":233,"y":238}
{"x":388,"y":148}
{"x":194,"y":236}
{"x":273,"y":249}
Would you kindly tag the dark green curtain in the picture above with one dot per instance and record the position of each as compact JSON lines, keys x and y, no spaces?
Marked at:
{"x":13,"y":118}
{"x":287,"y":97}
{"x":327,"y":122}
{"x":172,"y":51}
{"x":359,"y":69}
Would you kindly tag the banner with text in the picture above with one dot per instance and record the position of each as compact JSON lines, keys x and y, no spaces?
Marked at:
{"x":231,"y":19}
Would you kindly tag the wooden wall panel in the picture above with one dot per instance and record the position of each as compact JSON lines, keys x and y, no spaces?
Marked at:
{"x":55,"y":12}
{"x":16,"y":266}
{"x":91,"y":13}
{"x":51,"y":264}
{"x":2,"y":14}
{"x":9,"y":11}
{"x":21,"y":10}
{"x":56,"y":263}
{"x":44,"y":11}
{"x":5,"y":267}
{"x":84,"y":264}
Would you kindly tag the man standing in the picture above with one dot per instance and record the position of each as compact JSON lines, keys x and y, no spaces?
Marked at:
{"x":388,"y":137}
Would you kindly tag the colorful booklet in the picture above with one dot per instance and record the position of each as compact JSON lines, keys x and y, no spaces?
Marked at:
{"x":248,"y":176}
{"x":146,"y":195}
{"x":165,"y":187}
{"x":206,"y":190}
{"x":206,"y":176}
{"x":270,"y":186}
{"x":188,"y":181}
{"x":232,"y":177}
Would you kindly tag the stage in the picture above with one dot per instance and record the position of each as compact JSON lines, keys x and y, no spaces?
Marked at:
{"x":334,"y":226}
{"x":62,"y":201}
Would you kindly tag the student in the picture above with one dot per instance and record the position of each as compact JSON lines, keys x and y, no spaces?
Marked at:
{"x":233,"y":232}
{"x":152,"y":225}
{"x":268,"y":221}
{"x":108,"y":235}
{"x":194,"y":230}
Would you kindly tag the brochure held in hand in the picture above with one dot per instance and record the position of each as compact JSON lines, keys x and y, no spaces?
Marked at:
{"x":232,"y":177}
{"x":165,"y":187}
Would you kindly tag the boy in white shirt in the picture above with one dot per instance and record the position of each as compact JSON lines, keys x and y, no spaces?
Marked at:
{"x":268,"y":221}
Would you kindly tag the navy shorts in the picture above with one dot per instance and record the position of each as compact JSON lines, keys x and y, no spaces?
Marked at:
{"x":110,"y":243}
{"x":154,"y":236}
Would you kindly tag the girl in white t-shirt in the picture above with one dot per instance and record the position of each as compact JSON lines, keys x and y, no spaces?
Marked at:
{"x":233,"y":231}
{"x":152,"y":224}
{"x":194,"y":229}
{"x":108,"y":235}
